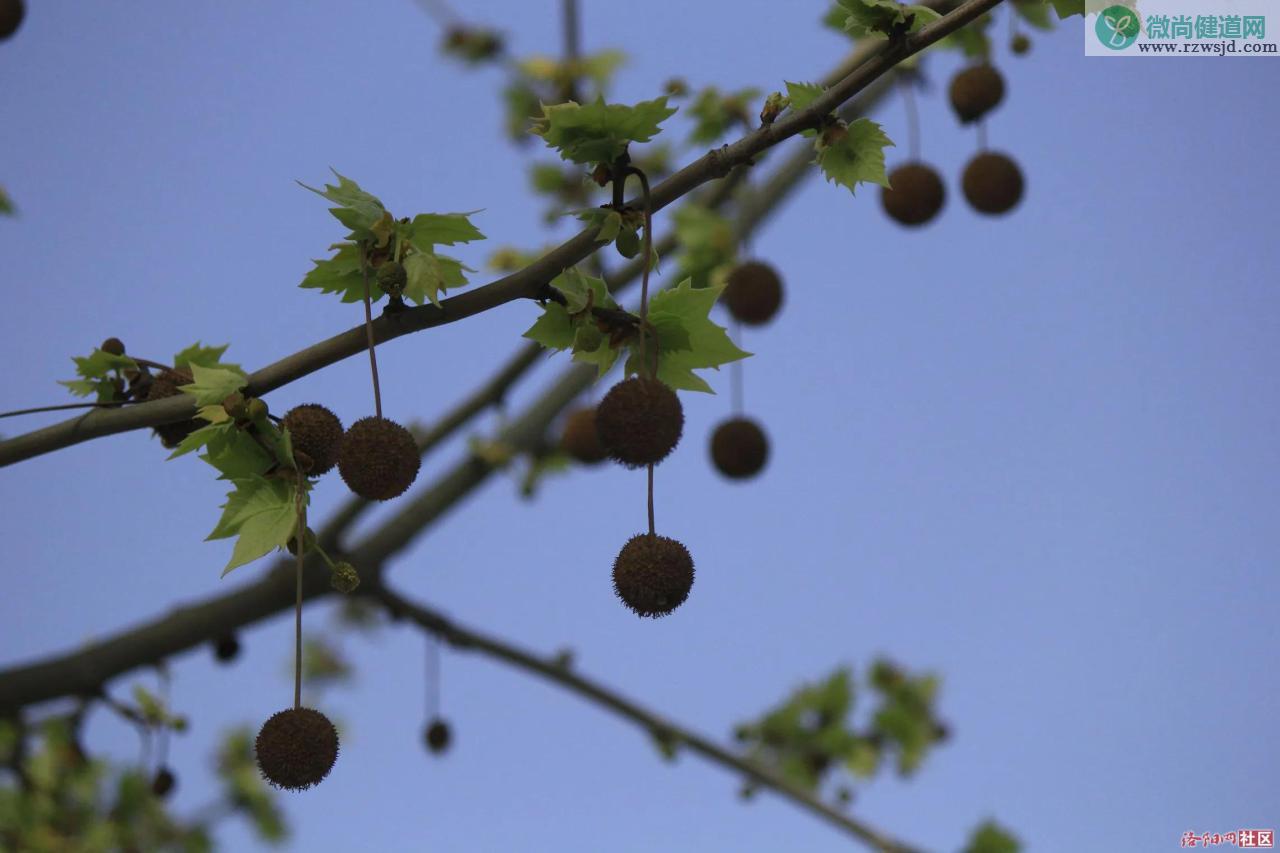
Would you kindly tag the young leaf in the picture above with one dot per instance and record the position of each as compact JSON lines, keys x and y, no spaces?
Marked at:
{"x":599,"y":132}
{"x":991,"y":838}
{"x":857,"y":156}
{"x":341,"y":274}
{"x":203,"y":356}
{"x":443,"y":229}
{"x":1035,"y":13}
{"x":262,"y":512}
{"x":688,"y":339}
{"x":879,"y":19}
{"x":1067,"y":8}
{"x":96,"y":374}
{"x":429,"y":274}
{"x":357,"y":209}
{"x":212,"y":385}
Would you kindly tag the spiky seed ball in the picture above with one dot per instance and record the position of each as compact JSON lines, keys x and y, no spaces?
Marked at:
{"x":166,"y":385}
{"x":1020,"y":44}
{"x":392,"y":278}
{"x":915,"y":194}
{"x":162,"y":784}
{"x":639,"y":421}
{"x":992,"y":183}
{"x":296,"y":748}
{"x":378,"y":459}
{"x":739,"y":448}
{"x":976,"y":91}
{"x":753,"y":293}
{"x":344,"y":577}
{"x":580,"y":439}
{"x":11,"y":14}
{"x":437,"y":735}
{"x":653,"y":574}
{"x":226,"y":648}
{"x":115,"y":346}
{"x":317,"y":432}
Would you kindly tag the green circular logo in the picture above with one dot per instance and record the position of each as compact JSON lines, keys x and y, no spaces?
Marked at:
{"x":1118,"y":27}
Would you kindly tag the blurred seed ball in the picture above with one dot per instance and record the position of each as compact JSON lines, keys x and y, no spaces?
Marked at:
{"x":739,"y":448}
{"x":11,"y":14}
{"x":976,"y":91}
{"x":941,"y":732}
{"x":378,"y":459}
{"x":163,"y":782}
{"x":753,"y":293}
{"x":1020,"y":44}
{"x":344,"y":578}
{"x":627,"y":243}
{"x":580,"y":439}
{"x":317,"y":432}
{"x":226,"y":648}
{"x":639,"y":421}
{"x":111,"y":345}
{"x":392,"y":278}
{"x":653,"y":574}
{"x":437,"y":736}
{"x":256,"y":408}
{"x":992,"y":183}
{"x":166,"y":385}
{"x":588,"y":338}
{"x":915,"y":194}
{"x":296,"y":748}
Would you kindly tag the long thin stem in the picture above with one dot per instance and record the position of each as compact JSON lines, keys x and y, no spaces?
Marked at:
{"x":735,"y":374}
{"x":572,"y":48}
{"x":913,"y":118}
{"x":300,"y":537}
{"x":368,"y":327}
{"x":63,"y":406}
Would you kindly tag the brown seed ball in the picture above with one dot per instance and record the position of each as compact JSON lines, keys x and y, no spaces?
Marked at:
{"x":976,"y":91}
{"x":753,"y":293}
{"x":992,"y":183}
{"x":739,"y":448}
{"x":1020,"y":44}
{"x":226,"y":648}
{"x":437,"y":736}
{"x":639,"y":421}
{"x":166,"y":385}
{"x":378,"y":459}
{"x":11,"y":14}
{"x":653,"y":574}
{"x":580,"y":439}
{"x":115,"y":346}
{"x":163,"y":783}
{"x":317,"y":432}
{"x":915,"y":194}
{"x":296,"y":748}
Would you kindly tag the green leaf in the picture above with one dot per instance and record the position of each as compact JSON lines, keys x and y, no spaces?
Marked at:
{"x":342,"y":274}
{"x":698,"y":342}
{"x":991,"y":838}
{"x":878,"y":19}
{"x":429,"y":274}
{"x":1035,"y":13}
{"x":1067,"y":8}
{"x":262,"y":512}
{"x":203,"y":356}
{"x":714,"y":113}
{"x":443,"y":229}
{"x":802,"y":94}
{"x":554,"y":330}
{"x":606,"y":220}
{"x":357,"y":209}
{"x":97,"y":372}
{"x":199,"y":438}
{"x":600,"y":132}
{"x":857,"y":157}
{"x":706,"y":243}
{"x":234,"y":453}
{"x":212,"y":385}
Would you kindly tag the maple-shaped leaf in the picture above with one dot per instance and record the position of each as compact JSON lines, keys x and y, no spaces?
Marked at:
{"x":561,"y":327}
{"x":262,"y":512}
{"x":878,"y":19}
{"x":856,"y":156}
{"x":203,"y":356}
{"x":358,"y":210}
{"x":598,"y":132}
{"x":97,"y":372}
{"x":211,"y":385}
{"x":342,"y":274}
{"x":430,"y":274}
{"x":688,"y":339}
{"x":442,"y":229}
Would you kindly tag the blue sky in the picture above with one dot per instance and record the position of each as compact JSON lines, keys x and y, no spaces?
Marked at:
{"x":1034,"y":454}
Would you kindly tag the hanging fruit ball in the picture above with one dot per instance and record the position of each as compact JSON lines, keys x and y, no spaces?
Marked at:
{"x":437,"y":736}
{"x":976,"y":91}
{"x":11,"y":14}
{"x":163,"y":782}
{"x":639,"y":421}
{"x":378,"y":459}
{"x":114,"y":346}
{"x":580,"y":439}
{"x":653,"y":574}
{"x":1020,"y":44}
{"x":992,"y":183}
{"x":753,"y":293}
{"x":166,"y":385}
{"x":315,"y":432}
{"x":226,"y":648}
{"x":739,"y":448}
{"x":915,"y":194}
{"x":296,"y":748}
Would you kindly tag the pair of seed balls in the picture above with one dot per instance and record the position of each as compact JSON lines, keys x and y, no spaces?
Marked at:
{"x":992,"y":184}
{"x":377,"y":457}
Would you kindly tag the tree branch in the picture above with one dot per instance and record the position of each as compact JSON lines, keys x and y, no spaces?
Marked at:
{"x":526,"y":283}
{"x":470,"y":639}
